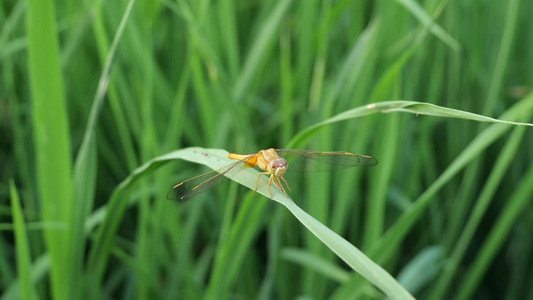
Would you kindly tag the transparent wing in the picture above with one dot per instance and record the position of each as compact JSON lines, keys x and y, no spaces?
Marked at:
{"x":201,"y":183}
{"x":308,"y":160}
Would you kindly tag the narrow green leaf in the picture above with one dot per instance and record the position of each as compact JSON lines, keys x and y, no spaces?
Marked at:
{"x":27,"y":290}
{"x":426,"y":20}
{"x":52,"y":142}
{"x":234,"y":250}
{"x":398,"y":231}
{"x":503,"y":162}
{"x":499,"y":233}
{"x":319,"y":264}
{"x":422,"y":269}
{"x":85,"y":164}
{"x":39,"y":270}
{"x":216,"y":159}
{"x":112,"y":215}
{"x":384,"y":248}
{"x":418,"y":108}
{"x":381,"y":180}
{"x":502,"y":60}
{"x":250,"y":67}
{"x":352,"y":256}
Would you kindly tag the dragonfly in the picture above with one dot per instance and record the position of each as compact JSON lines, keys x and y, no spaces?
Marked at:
{"x":273,"y":162}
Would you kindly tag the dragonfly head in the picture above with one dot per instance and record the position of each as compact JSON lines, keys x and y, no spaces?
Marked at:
{"x":278,"y":166}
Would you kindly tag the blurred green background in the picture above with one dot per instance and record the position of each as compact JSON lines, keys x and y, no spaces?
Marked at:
{"x":447,"y":211}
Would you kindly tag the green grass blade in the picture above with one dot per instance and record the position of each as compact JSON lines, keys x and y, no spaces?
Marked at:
{"x":422,"y":269}
{"x":418,"y":108}
{"x":216,"y":159}
{"x":27,"y":290}
{"x":384,"y":248}
{"x":232,"y":252}
{"x":503,"y":57}
{"x":85,"y":164}
{"x":39,"y":270}
{"x":112,"y":216}
{"x":229,"y":29}
{"x":467,"y":232}
{"x":119,"y":114}
{"x":490,"y":248}
{"x":397,"y":232}
{"x":313,"y":261}
{"x":317,"y":81}
{"x":352,"y":256}
{"x":259,"y":46}
{"x":426,"y":20}
{"x":354,"y":64}
{"x":251,"y":75}
{"x":52,"y":142}
{"x":9,"y":25}
{"x":381,"y":180}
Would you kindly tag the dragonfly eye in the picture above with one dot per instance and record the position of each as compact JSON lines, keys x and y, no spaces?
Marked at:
{"x":280,"y":162}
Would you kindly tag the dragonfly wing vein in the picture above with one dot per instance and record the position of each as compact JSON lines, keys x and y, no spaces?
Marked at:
{"x":308,"y":160}
{"x":194,"y":186}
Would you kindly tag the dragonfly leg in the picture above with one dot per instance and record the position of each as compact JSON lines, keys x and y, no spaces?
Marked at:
{"x":278,"y":182}
{"x":286,"y":184}
{"x":269,"y":183}
{"x":257,"y":183}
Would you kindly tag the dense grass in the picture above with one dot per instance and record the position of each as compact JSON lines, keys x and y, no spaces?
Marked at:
{"x":93,"y":96}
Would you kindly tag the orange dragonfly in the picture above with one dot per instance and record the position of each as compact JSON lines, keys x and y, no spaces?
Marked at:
{"x":273,"y":162}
